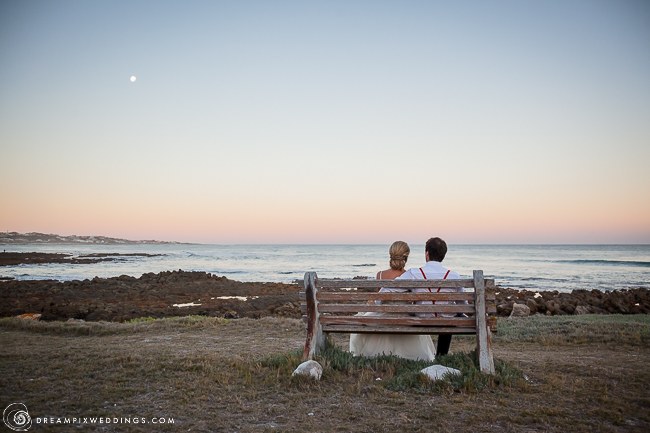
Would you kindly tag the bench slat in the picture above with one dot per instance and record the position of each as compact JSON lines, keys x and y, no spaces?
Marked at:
{"x":398,"y":321}
{"x":392,"y":308}
{"x":393,"y":296}
{"x":357,"y":329}
{"x":423,"y":329}
{"x":358,"y":308}
{"x":405,"y":284}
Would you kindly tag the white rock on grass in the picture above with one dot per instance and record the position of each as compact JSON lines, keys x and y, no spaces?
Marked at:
{"x":309,"y":368}
{"x":437,"y":372}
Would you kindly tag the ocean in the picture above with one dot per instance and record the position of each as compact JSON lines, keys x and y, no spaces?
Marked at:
{"x":535,"y":267}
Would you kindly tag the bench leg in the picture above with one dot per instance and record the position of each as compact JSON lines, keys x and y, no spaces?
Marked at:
{"x":316,"y":340}
{"x":484,"y":351}
{"x":444,"y":341}
{"x":483,"y":334}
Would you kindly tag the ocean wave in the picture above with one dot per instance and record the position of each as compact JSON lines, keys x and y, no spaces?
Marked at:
{"x":191,"y":254}
{"x":364,"y":265}
{"x":606,"y":262}
{"x":555,"y":280}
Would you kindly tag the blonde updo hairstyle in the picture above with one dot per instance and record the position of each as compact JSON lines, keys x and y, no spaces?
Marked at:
{"x":399,"y":254}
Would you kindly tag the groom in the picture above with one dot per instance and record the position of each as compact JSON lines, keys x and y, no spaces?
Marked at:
{"x":434,"y":253}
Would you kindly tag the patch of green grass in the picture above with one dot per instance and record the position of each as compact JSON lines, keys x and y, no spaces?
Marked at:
{"x":341,"y":360}
{"x":583,"y":329}
{"x":283,"y":363}
{"x":147,"y":319}
{"x":470,"y":380}
{"x":189,"y":322}
{"x":394,"y":373}
{"x":80,"y":328}
{"x":65,"y":328}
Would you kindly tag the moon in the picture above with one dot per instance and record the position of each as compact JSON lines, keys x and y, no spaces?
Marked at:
{"x":133,"y":78}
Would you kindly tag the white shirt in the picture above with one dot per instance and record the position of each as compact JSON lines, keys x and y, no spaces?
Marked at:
{"x":433,"y":271}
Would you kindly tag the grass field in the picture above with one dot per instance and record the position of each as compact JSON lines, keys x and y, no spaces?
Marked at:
{"x":556,"y":374}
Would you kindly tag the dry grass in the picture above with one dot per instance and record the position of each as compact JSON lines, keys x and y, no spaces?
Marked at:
{"x":584,"y":374}
{"x":572,"y":330}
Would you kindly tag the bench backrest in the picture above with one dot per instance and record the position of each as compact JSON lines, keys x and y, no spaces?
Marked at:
{"x":337,"y":303}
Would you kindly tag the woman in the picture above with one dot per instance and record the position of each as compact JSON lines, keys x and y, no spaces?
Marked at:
{"x":402,"y":345}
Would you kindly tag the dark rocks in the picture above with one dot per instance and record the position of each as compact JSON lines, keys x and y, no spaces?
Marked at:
{"x":123,"y":298}
{"x":631,"y":301}
{"x":13,"y":258}
{"x":532,"y":305}
{"x":553,"y":307}
{"x":504,"y":309}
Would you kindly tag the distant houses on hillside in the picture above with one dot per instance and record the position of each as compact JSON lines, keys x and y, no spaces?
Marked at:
{"x":42,"y":238}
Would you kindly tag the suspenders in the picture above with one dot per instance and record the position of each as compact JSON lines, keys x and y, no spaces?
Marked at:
{"x":429,"y":288}
{"x":444,"y":278}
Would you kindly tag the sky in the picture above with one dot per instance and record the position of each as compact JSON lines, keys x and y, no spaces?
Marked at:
{"x":327,"y":121}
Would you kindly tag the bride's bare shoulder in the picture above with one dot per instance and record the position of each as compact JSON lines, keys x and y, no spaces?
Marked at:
{"x":388,"y":274}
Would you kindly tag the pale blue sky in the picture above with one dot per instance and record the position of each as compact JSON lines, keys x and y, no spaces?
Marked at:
{"x":299,"y":121}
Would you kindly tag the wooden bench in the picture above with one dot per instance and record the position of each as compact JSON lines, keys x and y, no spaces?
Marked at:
{"x":331,"y":305}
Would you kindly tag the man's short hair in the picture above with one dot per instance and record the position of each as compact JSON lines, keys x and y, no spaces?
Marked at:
{"x":437,"y":249}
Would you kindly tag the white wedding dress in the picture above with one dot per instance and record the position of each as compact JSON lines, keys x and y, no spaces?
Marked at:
{"x":409,"y":346}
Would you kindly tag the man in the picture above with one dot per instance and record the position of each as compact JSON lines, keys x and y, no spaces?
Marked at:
{"x":435,"y":251}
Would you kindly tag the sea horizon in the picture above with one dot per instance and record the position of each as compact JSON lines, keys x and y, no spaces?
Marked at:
{"x":37,"y":238}
{"x":561,"y":267}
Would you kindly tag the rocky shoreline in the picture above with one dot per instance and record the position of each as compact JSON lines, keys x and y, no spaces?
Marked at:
{"x":12,"y":259}
{"x":526,"y":302}
{"x":180,"y":293}
{"x":166,"y":294}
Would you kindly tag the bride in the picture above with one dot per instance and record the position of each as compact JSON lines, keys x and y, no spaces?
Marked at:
{"x":403,"y":345}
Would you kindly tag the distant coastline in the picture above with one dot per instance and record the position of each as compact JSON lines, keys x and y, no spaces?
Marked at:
{"x":49,"y":238}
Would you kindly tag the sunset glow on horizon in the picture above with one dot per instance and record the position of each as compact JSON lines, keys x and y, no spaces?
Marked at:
{"x":334,"y":122}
